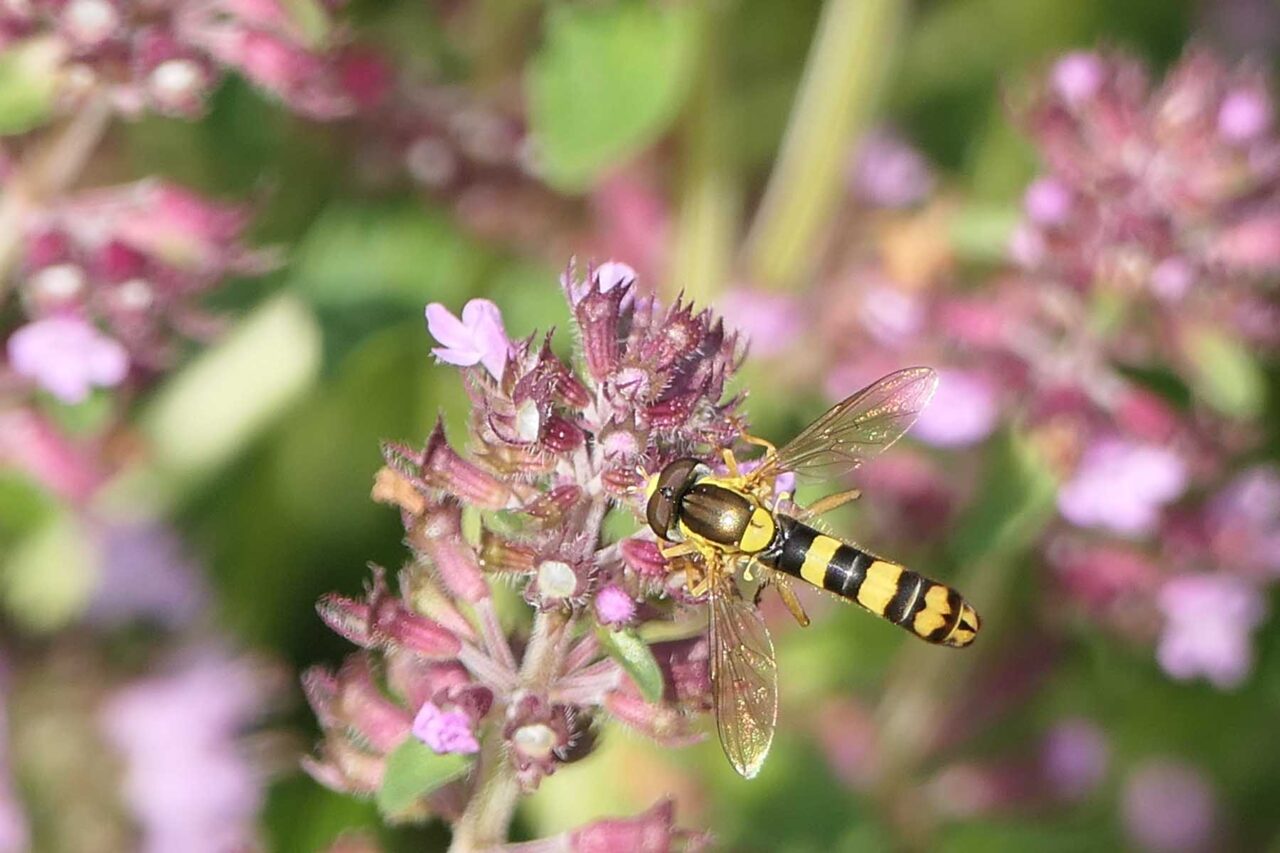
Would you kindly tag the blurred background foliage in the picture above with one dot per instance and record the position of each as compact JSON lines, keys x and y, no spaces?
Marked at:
{"x":279,"y":512}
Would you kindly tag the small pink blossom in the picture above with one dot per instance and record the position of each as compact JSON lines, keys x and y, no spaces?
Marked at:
{"x":771,"y":322}
{"x":67,"y":357}
{"x":1208,"y":620}
{"x":1078,"y":76}
{"x":614,"y":273}
{"x":1168,"y":806}
{"x":445,"y":731}
{"x":890,"y":173}
{"x":478,"y":338}
{"x":963,"y":411}
{"x":1245,"y":115}
{"x":1122,"y":486}
{"x":1048,"y":202}
{"x":614,"y":606}
{"x":1075,"y":755}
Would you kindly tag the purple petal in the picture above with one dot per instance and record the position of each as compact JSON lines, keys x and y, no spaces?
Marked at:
{"x":446,"y":328}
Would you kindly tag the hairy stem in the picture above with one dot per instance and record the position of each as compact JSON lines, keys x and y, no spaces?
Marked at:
{"x":846,"y":67}
{"x":46,"y":172}
{"x":488,"y":816}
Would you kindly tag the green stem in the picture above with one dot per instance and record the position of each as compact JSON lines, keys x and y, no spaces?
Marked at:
{"x":847,"y":65}
{"x":710,"y":202}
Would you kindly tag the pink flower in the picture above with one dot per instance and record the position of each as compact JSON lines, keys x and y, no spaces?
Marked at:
{"x":1168,"y":806}
{"x":445,"y":731}
{"x":67,"y":357}
{"x":478,"y":338}
{"x":1047,"y":202}
{"x":613,"y":274}
{"x":1074,"y":756}
{"x":1208,"y":619}
{"x":614,"y":606}
{"x":1245,"y":115}
{"x":963,"y":411}
{"x":771,"y":322}
{"x":187,"y":781}
{"x":1122,"y":486}
{"x":1078,"y":76}
{"x":890,"y":173}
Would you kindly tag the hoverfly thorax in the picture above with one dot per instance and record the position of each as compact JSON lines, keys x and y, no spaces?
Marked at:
{"x":665,"y":491}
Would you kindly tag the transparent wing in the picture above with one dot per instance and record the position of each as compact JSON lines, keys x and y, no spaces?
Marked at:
{"x":858,"y":428}
{"x":744,"y":677}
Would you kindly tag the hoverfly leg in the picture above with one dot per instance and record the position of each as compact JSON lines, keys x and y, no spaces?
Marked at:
{"x":731,"y":463}
{"x":682,"y":549}
{"x":769,"y":448}
{"x":792,"y":601}
{"x":822,"y":506}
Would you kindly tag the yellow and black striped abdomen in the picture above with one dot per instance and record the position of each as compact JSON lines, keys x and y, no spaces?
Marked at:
{"x":932,"y":611}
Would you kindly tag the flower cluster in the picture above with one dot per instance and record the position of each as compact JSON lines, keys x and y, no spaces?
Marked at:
{"x":1171,"y":192}
{"x":554,"y":450}
{"x":110,"y":277}
{"x":168,"y":57}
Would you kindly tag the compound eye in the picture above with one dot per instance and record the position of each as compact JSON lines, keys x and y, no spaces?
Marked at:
{"x":672,"y":483}
{"x":660,"y":513}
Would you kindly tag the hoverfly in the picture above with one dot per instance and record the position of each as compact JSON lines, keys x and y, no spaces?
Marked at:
{"x":713,"y":523}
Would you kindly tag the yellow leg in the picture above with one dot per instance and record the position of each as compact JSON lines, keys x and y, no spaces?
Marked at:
{"x":683,"y":549}
{"x":769,"y":448}
{"x":822,"y":506}
{"x":731,"y":463}
{"x":788,"y":596}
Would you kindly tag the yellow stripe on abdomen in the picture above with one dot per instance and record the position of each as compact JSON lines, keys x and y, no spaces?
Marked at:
{"x":814,"y":568}
{"x":879,"y":586}
{"x":935,"y":613}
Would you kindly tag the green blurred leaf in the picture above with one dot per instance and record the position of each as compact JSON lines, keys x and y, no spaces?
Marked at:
{"x":311,"y":20}
{"x":635,"y":657}
{"x":607,"y":82}
{"x":48,"y":578}
{"x":1016,"y":501}
{"x":413,"y":771}
{"x":28,"y":82}
{"x":398,"y":251}
{"x":1225,"y":374}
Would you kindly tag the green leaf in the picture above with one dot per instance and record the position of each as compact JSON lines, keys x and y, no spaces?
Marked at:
{"x":1016,"y":502}
{"x":413,"y":771}
{"x":311,"y":20}
{"x":607,"y":83}
{"x":1224,"y":373}
{"x":28,"y":82}
{"x":363,"y":252}
{"x":635,"y":657}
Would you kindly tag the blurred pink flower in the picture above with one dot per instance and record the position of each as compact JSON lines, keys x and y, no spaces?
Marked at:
{"x":144,"y":574}
{"x":1074,"y":757}
{"x":1208,"y":622}
{"x":1047,"y":202}
{"x":478,"y":338}
{"x":1122,"y":486}
{"x":187,"y":781}
{"x":964,"y":410}
{"x":771,"y":322}
{"x":67,"y":356}
{"x":1078,"y":76}
{"x":445,"y":731}
{"x":1168,"y":806}
{"x":33,"y":444}
{"x":1245,"y":115}
{"x":1244,"y":521}
{"x":890,"y":173}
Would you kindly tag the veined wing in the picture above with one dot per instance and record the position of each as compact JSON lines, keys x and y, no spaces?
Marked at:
{"x":744,"y":677}
{"x":858,"y":428}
